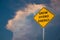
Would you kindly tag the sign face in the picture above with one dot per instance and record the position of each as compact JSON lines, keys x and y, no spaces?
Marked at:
{"x":43,"y":17}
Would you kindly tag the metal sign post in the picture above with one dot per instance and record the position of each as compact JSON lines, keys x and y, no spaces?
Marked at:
{"x":43,"y":33}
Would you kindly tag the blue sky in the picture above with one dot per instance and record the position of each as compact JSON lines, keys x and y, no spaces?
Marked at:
{"x":8,"y":9}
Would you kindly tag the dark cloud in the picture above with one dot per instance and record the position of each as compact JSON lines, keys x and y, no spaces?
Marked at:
{"x":17,"y":4}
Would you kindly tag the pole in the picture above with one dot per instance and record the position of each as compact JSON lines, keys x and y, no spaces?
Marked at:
{"x":43,"y":33}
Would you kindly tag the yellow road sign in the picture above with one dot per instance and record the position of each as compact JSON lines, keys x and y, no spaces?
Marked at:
{"x":43,"y":17}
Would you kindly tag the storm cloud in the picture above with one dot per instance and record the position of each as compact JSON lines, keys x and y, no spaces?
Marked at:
{"x":23,"y":25}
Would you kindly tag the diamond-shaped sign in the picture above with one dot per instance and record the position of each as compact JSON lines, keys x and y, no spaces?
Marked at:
{"x":43,"y":17}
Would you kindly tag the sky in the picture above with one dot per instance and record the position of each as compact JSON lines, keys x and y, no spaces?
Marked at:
{"x":20,"y":13}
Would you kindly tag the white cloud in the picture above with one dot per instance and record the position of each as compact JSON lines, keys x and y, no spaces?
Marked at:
{"x":22,"y":27}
